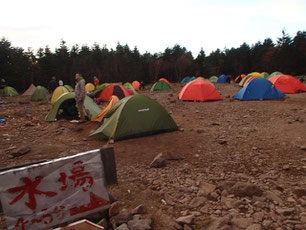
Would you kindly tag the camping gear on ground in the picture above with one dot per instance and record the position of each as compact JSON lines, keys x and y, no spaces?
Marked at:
{"x":160,"y":85}
{"x":40,"y":94}
{"x":288,"y":83}
{"x":259,"y":89}
{"x":133,"y":116}
{"x":223,"y":79}
{"x":199,"y":90}
{"x":99,"y":117}
{"x":10,"y":91}
{"x":66,"y":106}
{"x":29,"y":91}
{"x":114,"y":89}
{"x":57,"y":93}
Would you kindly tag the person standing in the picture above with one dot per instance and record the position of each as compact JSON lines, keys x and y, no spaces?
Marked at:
{"x":80,"y":94}
{"x":96,"y":81}
{"x":60,"y":83}
{"x":52,"y":85}
{"x":2,"y":87}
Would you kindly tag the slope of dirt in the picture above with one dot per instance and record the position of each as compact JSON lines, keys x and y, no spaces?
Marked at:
{"x":258,"y":142}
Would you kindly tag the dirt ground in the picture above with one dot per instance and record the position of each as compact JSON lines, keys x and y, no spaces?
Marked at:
{"x":258,"y":142}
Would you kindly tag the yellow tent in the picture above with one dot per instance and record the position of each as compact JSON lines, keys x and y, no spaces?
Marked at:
{"x":57,"y":93}
{"x":112,"y":102}
{"x":89,"y":87}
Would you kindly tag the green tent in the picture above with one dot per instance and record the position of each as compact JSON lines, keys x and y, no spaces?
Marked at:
{"x":69,"y":87}
{"x":92,"y":109}
{"x":40,"y":94}
{"x":132,"y":116}
{"x":160,"y":85}
{"x":274,"y":74}
{"x":41,"y":87}
{"x":265,"y":74}
{"x":131,"y":87}
{"x":10,"y":91}
{"x":101,"y":87}
{"x":213,"y":79}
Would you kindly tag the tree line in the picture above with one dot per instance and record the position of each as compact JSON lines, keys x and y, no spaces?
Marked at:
{"x":20,"y":68}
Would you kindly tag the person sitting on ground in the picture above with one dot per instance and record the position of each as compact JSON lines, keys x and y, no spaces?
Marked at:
{"x":2,"y":87}
{"x":52,"y":85}
{"x":80,"y":93}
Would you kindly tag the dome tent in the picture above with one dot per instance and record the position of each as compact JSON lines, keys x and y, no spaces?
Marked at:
{"x":113,"y":89}
{"x":223,"y":79}
{"x":30,"y":90}
{"x":10,"y":91}
{"x":185,"y":80}
{"x":199,"y":90}
{"x":57,"y":93}
{"x":160,"y":85}
{"x":274,"y":74}
{"x":135,"y":116}
{"x":136,"y":85}
{"x":259,"y":89}
{"x":40,"y":94}
{"x":128,"y":86}
{"x":213,"y":79}
{"x":288,"y":83}
{"x":165,"y":80}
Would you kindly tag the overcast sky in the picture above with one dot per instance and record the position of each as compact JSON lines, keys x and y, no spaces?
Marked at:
{"x":151,"y":25}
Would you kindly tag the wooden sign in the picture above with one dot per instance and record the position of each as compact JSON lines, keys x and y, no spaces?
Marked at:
{"x":47,"y":194}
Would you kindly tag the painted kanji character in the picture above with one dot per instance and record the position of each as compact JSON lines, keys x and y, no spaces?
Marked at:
{"x":80,"y":177}
{"x":30,"y":187}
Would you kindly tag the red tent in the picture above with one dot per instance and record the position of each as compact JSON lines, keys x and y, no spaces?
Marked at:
{"x":199,"y":90}
{"x":113,"y":89}
{"x":288,"y":83}
{"x":165,"y":80}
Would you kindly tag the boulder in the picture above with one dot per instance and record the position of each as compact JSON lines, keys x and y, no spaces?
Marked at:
{"x":159,"y":161}
{"x":142,"y":224}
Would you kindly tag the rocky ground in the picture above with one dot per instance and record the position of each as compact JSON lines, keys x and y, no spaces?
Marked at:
{"x":232,"y":164}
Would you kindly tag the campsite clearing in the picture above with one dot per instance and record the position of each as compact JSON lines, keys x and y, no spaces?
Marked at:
{"x":218,"y":144}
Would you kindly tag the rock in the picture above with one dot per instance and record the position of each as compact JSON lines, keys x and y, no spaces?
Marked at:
{"x":222,"y":142}
{"x":243,"y":189}
{"x":123,"y":217}
{"x":114,"y":209}
{"x":303,"y":147}
{"x":79,"y":129}
{"x":197,"y":201}
{"x":285,"y":211}
{"x":215,"y":123}
{"x":200,"y":130}
{"x":159,"y":161}
{"x":213,"y":196}
{"x":142,"y":224}
{"x":272,"y":196}
{"x":173,"y":156}
{"x":286,"y":167}
{"x":242,"y":223}
{"x":299,"y":191}
{"x":103,"y":223}
{"x":112,"y":141}
{"x":122,"y":227}
{"x":266,"y":223}
{"x":258,"y":217}
{"x":227,"y":202}
{"x":254,"y":227}
{"x":140,"y":209}
{"x":169,"y":199}
{"x":222,"y":223}
{"x":205,"y":189}
{"x":21,"y":151}
{"x":186,"y":227}
{"x":185,"y":219}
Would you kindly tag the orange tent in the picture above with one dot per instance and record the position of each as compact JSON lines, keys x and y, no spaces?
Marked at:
{"x":288,"y":83}
{"x":99,"y":117}
{"x":113,"y":89}
{"x":199,"y":90}
{"x":239,"y":77}
{"x":165,"y":80}
{"x":136,"y":85}
{"x":251,"y":78}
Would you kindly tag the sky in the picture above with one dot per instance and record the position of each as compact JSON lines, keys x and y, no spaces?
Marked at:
{"x":151,"y":25}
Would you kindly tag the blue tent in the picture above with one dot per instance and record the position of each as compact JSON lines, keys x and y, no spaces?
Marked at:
{"x":223,"y":79}
{"x":185,"y":80}
{"x":193,"y":78}
{"x":259,"y":89}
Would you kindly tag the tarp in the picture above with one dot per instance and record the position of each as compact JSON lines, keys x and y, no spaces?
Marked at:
{"x":288,"y":83}
{"x":10,"y":91}
{"x":99,"y":117}
{"x":91,"y":108}
{"x":185,"y":80}
{"x":136,"y":85}
{"x":29,"y":91}
{"x":213,"y":79}
{"x":113,"y":89}
{"x":89,"y":87}
{"x":259,"y":89}
{"x":165,"y":80}
{"x":57,"y":93}
{"x":199,"y":90}
{"x":130,"y":86}
{"x":69,"y":87}
{"x":40,"y":94}
{"x":160,"y":85}
{"x":223,"y":79}
{"x":135,"y":116}
{"x":274,"y":74}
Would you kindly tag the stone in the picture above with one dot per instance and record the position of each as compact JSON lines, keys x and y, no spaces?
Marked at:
{"x":200,"y":130}
{"x":20,"y":151}
{"x":185,"y":219}
{"x":273,"y":197}
{"x":219,"y":223}
{"x":286,"y":167}
{"x":169,"y":199}
{"x":215,"y":123}
{"x":254,"y":227}
{"x":242,"y":223}
{"x":186,"y":227}
{"x":227,"y":202}
{"x":299,"y":191}
{"x":285,"y":211}
{"x":222,"y":142}
{"x":140,"y":209}
{"x":159,"y":161}
{"x":303,"y":147}
{"x":197,"y":202}
{"x":142,"y":224}
{"x":205,"y":189}
{"x":258,"y":217}
{"x":122,"y":227}
{"x":114,"y":209}
{"x":266,"y":223}
{"x":123,"y":217}
{"x":173,"y":156}
{"x":243,"y":189}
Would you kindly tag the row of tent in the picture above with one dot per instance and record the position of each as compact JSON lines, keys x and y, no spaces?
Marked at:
{"x":214,"y":79}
